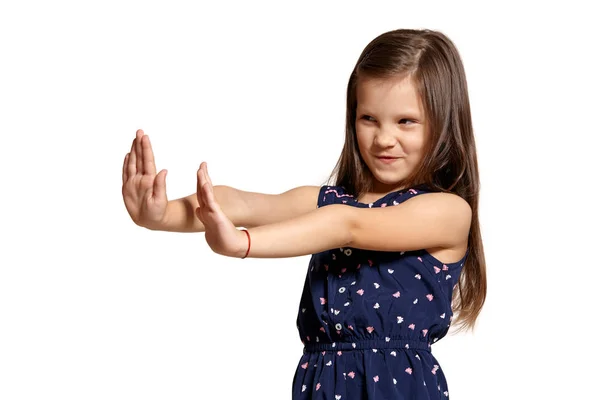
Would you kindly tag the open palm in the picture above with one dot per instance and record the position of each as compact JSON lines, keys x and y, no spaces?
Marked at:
{"x":144,"y":191}
{"x":220,"y":233}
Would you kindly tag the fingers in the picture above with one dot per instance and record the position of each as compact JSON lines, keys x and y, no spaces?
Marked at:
{"x":205,"y":192}
{"x":138,"y":148}
{"x":140,"y":158}
{"x":199,"y":182}
{"x":125,"y":162}
{"x":209,"y":198}
{"x":207,"y":176}
{"x":149,"y":166}
{"x":131,"y":165}
{"x":209,"y":194}
{"x":207,"y":188}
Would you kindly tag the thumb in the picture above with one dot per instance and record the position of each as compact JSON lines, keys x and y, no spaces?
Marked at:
{"x":160,"y":184}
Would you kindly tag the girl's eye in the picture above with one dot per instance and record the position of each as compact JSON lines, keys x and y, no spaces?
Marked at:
{"x":404,"y":121}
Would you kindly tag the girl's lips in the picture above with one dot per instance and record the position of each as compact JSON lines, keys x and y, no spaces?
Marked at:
{"x":384,"y":156}
{"x":387,"y":160}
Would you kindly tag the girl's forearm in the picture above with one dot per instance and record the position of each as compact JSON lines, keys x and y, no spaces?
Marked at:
{"x":322,"y":229}
{"x":180,"y":215}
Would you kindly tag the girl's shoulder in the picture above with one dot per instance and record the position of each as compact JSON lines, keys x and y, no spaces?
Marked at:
{"x":332,"y":194}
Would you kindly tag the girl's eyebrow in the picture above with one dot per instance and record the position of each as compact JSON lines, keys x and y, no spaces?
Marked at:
{"x":406,"y":110}
{"x":408,"y":113}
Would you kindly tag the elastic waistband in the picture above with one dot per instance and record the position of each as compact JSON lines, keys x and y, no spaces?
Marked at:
{"x":403,"y":344}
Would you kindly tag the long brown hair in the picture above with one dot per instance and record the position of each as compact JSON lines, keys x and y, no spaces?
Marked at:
{"x":450,"y":161}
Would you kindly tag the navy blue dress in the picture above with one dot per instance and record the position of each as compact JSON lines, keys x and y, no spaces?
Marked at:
{"x":367,"y":319}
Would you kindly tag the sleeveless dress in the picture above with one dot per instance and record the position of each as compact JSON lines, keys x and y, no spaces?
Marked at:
{"x":367,"y":319}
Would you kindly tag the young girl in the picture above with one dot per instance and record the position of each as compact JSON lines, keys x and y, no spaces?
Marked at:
{"x":395,"y":241}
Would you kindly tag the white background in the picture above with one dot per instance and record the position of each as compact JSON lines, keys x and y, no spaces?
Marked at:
{"x":94,"y":307}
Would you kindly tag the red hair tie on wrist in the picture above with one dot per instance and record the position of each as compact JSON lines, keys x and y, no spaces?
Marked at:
{"x":247,"y":251}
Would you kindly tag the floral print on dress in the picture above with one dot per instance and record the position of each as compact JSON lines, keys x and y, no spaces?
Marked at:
{"x":368,"y":319}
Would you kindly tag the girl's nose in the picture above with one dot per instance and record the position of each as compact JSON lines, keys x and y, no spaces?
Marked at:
{"x":385,"y":138}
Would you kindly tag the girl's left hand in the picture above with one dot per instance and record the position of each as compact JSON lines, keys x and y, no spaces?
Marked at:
{"x":220,"y":233}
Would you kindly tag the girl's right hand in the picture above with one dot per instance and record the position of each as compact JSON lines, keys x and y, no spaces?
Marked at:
{"x":144,"y":191}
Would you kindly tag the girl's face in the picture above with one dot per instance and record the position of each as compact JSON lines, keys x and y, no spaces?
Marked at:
{"x":390,"y":129}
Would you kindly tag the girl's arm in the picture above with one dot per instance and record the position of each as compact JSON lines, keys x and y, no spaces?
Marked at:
{"x":144,"y":194}
{"x":244,"y":209}
{"x":428,"y":221}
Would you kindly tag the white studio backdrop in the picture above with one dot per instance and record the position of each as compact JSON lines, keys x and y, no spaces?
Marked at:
{"x":94,"y":307}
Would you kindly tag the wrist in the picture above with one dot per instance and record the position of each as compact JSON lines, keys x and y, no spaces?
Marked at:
{"x":161,"y":224}
{"x":154,"y":225}
{"x":245,"y":243}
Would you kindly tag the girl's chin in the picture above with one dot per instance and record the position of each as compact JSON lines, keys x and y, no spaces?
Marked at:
{"x":389,"y":179}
